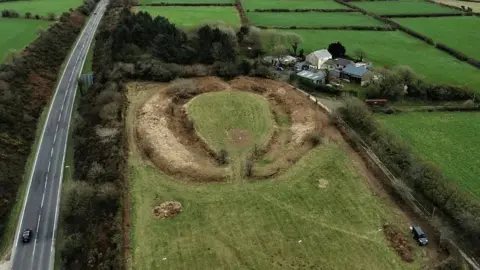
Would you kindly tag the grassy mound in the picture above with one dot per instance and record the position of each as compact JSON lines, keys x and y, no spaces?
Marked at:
{"x":232,"y":120}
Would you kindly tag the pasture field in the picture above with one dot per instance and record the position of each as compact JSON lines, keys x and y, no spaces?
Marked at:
{"x":17,"y":33}
{"x":459,"y":33}
{"x":447,"y":139}
{"x":456,"y":3}
{"x":396,"y":48}
{"x":288,"y":222}
{"x":289,"y":4}
{"x":194,"y":16}
{"x":403,"y":7}
{"x":239,"y":110}
{"x":143,"y":2}
{"x":311,"y":19}
{"x":41,"y":7}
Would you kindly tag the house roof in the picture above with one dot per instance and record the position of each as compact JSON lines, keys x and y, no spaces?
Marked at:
{"x":312,"y":76}
{"x":343,"y":61}
{"x":355,"y":71}
{"x":322,"y":54}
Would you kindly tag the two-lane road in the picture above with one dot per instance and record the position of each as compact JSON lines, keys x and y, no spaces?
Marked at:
{"x":41,"y":205}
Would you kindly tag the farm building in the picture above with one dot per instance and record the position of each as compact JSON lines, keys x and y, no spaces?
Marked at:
{"x":357,"y":74}
{"x":315,"y":77}
{"x":285,"y":60}
{"x":318,"y":58}
{"x":304,"y":65}
{"x":336,"y":64}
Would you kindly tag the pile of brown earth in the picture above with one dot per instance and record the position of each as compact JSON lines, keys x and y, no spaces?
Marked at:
{"x":399,"y":242}
{"x":167,"y":209}
{"x":168,"y":138}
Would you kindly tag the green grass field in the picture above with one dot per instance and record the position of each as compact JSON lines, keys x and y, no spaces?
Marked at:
{"x":194,"y":16}
{"x":460,"y":33}
{"x":243,"y":111}
{"x":41,"y":7}
{"x":291,"y":4}
{"x":287,"y":223}
{"x":403,"y":7}
{"x":184,"y":1}
{"x":396,"y":48}
{"x":17,"y":33}
{"x":447,"y":139}
{"x":311,"y":19}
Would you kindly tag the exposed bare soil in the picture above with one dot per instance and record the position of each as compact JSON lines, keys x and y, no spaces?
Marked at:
{"x":167,"y":137}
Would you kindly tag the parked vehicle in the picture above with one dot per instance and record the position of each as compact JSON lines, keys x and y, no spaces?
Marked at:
{"x":27,"y":235}
{"x":419,"y":235}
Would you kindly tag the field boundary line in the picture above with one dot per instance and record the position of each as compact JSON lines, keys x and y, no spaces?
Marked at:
{"x":429,"y":15}
{"x":347,"y":28}
{"x":206,"y":4}
{"x":395,"y":183}
{"x":439,"y":46}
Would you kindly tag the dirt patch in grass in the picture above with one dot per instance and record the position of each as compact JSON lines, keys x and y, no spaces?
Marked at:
{"x":167,"y":209}
{"x":399,"y":242}
{"x":240,"y":138}
{"x":322,"y":183}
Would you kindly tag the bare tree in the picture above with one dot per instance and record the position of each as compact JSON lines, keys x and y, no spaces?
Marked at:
{"x":360,"y":54}
{"x":293,"y":40}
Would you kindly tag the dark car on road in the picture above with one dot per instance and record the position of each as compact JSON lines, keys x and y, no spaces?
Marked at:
{"x":419,"y":235}
{"x":27,"y":235}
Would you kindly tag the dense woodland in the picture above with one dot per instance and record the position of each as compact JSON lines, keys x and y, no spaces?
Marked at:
{"x":26,"y":85}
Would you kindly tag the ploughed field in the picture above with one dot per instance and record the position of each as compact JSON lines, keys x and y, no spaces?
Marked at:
{"x":447,"y":139}
{"x":403,"y":7}
{"x":16,"y":34}
{"x":304,"y":203}
{"x":311,"y":19}
{"x":460,"y":33}
{"x":194,"y":16}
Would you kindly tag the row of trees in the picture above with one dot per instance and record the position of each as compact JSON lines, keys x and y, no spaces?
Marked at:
{"x":10,"y":13}
{"x":401,"y":82}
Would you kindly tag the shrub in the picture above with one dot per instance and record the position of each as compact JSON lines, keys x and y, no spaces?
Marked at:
{"x":28,"y":15}
{"x":182,"y":89}
{"x":222,"y":157}
{"x":314,"y":138}
{"x":51,"y":16}
{"x":248,"y":168}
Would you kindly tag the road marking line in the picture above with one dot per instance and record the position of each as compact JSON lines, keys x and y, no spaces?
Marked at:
{"x":56,"y":129}
{"x":20,"y":218}
{"x":52,"y":247}
{"x":55,"y":137}
{"x":59,"y":117}
{"x":51,"y":152}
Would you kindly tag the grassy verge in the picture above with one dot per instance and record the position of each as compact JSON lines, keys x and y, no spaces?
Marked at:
{"x":87,"y":68}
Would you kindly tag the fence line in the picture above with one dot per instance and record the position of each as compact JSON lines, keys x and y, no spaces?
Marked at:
{"x":408,"y":197}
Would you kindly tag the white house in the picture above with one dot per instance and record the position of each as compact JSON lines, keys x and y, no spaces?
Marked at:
{"x":317,"y":58}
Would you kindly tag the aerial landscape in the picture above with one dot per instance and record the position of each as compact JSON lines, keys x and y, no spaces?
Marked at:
{"x":239,"y":134}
